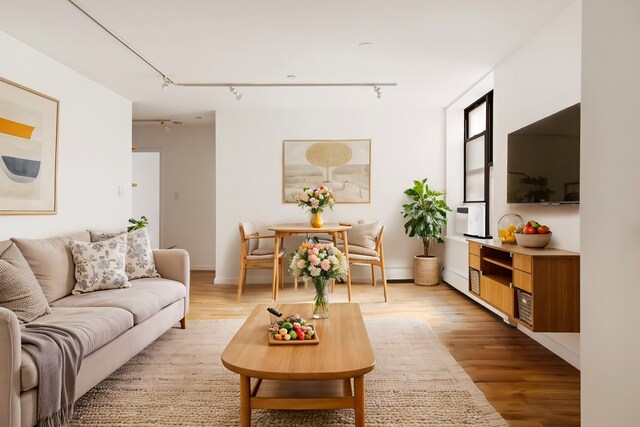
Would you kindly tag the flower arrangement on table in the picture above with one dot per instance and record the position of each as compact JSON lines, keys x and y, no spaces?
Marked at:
{"x":316,"y":200}
{"x":319,"y":262}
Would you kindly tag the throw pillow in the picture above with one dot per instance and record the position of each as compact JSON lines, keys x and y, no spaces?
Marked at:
{"x":139,"y":261}
{"x":20,"y":291}
{"x":100,"y":265}
{"x":364,"y":234}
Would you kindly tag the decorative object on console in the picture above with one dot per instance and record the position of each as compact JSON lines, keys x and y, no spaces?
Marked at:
{"x":533,"y":235}
{"x":316,"y":200}
{"x":343,"y":165}
{"x":320,"y":263}
{"x":100,"y":265}
{"x":28,"y":150}
{"x":508,"y":226}
{"x":427,"y":215}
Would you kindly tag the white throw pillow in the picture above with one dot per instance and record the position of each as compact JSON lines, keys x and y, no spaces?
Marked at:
{"x":100,"y":265}
{"x":139,"y":260}
{"x":364,"y":234}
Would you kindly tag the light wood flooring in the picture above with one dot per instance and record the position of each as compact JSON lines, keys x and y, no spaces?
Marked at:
{"x":526,"y":383}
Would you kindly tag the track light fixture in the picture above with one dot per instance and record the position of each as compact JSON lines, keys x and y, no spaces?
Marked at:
{"x":237,"y":93}
{"x":166,"y":82}
{"x":165,"y":126}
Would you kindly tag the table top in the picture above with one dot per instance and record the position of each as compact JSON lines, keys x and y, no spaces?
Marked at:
{"x":344,"y":350}
{"x":307,"y":228}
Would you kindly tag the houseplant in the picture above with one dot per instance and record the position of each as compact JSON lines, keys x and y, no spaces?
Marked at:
{"x":427,"y":214}
{"x":320,"y":263}
{"x":316,"y":200}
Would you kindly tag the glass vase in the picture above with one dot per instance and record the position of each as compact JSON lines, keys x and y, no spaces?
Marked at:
{"x":316,"y":219}
{"x":508,"y":226}
{"x":321,"y":300}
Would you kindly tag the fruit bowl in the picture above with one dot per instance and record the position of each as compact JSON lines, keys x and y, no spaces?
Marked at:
{"x":293,"y":329}
{"x":533,"y":240}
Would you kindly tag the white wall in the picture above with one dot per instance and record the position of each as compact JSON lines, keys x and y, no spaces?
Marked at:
{"x":187,"y":187}
{"x":610,"y":213}
{"x":406,"y":145}
{"x":94,"y":146}
{"x":539,"y":79}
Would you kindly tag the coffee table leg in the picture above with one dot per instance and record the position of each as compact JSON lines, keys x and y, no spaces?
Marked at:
{"x":245,"y":401}
{"x":359,"y":400}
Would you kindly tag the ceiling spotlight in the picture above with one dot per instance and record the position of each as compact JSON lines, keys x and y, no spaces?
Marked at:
{"x":365,"y":44}
{"x":291,"y":76}
{"x":165,"y":126}
{"x":166,"y":82}
{"x":235,"y":91}
{"x":378,"y":91}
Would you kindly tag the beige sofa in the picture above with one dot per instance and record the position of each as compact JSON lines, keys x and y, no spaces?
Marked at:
{"x":114,"y":325}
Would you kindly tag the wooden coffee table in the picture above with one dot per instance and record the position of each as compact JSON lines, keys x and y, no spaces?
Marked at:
{"x":302,"y":377}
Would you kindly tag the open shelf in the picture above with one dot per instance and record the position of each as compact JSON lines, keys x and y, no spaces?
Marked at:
{"x":499,"y":262}
{"x":503,"y":280}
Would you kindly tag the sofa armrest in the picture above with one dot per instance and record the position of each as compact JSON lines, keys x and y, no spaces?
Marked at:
{"x":10,"y":352}
{"x":174,"y":264}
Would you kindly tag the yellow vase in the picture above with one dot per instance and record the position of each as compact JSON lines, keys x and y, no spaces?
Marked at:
{"x":316,"y":220}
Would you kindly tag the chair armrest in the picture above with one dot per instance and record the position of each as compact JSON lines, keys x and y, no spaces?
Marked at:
{"x":10,"y":354}
{"x":259,"y":237}
{"x":174,"y":264}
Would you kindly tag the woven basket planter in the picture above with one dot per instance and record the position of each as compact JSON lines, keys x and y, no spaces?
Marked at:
{"x":426,"y":271}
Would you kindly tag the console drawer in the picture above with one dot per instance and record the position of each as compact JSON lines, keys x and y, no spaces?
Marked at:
{"x":522,"y":280}
{"x":522,"y":262}
{"x":497,"y":293}
{"x":474,"y":262}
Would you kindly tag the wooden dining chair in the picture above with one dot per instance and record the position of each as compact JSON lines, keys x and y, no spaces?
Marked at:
{"x":365,"y":255}
{"x":252,"y":256}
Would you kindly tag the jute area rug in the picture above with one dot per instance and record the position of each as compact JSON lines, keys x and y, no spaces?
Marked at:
{"x":179,"y":381}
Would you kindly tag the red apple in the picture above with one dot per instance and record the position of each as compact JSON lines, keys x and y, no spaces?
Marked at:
{"x":543,"y":229}
{"x":529,"y":230}
{"x":300,"y":335}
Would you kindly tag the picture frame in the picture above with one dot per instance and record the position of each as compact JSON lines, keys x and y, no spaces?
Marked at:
{"x":28,"y":151}
{"x":343,"y":165}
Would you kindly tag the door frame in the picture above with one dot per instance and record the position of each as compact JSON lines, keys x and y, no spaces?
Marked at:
{"x":159,"y":151}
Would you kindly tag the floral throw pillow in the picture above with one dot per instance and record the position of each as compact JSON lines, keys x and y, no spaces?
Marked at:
{"x":100,"y":265}
{"x":139,"y":260}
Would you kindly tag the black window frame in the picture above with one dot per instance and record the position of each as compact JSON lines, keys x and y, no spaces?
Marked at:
{"x":487,"y":99}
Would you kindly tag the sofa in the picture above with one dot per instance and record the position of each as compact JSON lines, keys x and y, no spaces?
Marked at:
{"x":114,"y":325}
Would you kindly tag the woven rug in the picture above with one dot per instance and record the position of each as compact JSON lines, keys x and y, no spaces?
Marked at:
{"x":179,"y":381}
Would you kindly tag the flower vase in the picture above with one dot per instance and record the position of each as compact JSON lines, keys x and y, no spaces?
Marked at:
{"x":316,"y":220}
{"x":321,"y":300}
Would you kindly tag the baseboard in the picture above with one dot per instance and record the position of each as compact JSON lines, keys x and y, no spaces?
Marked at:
{"x":565,"y":353}
{"x":460,"y":283}
{"x":203,"y":267}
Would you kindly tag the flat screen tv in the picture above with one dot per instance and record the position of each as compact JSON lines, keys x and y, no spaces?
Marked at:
{"x":543,"y":160}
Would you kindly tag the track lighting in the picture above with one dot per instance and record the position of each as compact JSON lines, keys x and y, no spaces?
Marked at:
{"x":166,"y":82}
{"x":378,"y":90}
{"x":165,"y":126}
{"x":235,"y":91}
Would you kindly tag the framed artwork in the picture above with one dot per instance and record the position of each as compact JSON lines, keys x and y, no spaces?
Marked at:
{"x":342,"y":165}
{"x":28,"y":151}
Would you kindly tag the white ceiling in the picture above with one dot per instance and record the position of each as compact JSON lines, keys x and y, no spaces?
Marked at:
{"x":434,"y":50}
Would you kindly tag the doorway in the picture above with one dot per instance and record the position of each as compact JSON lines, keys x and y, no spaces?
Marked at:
{"x":145,"y":194}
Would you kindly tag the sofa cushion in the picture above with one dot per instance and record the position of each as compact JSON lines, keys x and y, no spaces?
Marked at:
{"x":143,"y":299}
{"x":140,"y":262}
{"x":19,"y":288}
{"x":100,"y":265}
{"x":95,"y":327}
{"x":52,"y":263}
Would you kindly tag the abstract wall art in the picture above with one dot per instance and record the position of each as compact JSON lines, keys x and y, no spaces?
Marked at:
{"x":342,"y":165}
{"x":28,"y":150}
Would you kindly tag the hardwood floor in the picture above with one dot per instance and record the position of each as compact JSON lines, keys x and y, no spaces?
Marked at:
{"x":526,"y":383}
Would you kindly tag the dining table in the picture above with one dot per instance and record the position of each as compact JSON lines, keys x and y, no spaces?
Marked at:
{"x":283,"y":230}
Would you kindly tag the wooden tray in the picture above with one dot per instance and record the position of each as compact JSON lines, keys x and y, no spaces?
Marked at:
{"x":314,"y":340}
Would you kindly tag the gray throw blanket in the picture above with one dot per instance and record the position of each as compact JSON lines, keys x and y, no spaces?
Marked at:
{"x":58,"y":354}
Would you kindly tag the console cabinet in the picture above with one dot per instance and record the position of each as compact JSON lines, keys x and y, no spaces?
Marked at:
{"x":539,"y":288}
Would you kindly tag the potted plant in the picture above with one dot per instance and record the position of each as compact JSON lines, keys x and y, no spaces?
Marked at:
{"x":427,"y":214}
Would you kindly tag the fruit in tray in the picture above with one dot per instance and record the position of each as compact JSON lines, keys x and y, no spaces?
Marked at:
{"x":534,"y":227}
{"x":292,"y":327}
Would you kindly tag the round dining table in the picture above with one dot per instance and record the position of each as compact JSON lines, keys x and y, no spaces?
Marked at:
{"x":283,"y":230}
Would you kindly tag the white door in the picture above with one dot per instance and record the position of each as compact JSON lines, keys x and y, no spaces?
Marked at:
{"x":145,"y":198}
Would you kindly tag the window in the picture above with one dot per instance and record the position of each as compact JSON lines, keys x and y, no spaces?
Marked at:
{"x":478,"y":152}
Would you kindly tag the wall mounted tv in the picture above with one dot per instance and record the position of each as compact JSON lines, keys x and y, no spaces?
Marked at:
{"x":543,"y":160}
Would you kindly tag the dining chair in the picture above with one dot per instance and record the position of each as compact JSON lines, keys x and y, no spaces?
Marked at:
{"x":366,"y":248}
{"x":252,"y":256}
